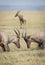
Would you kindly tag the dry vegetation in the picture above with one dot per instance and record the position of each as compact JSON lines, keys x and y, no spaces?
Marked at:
{"x":22,"y":56}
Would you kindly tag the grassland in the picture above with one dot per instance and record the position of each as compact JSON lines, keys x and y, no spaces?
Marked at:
{"x":23,"y":56}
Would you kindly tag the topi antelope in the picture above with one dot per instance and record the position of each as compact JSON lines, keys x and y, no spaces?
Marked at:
{"x":5,"y":40}
{"x":21,"y":18}
{"x":37,"y":37}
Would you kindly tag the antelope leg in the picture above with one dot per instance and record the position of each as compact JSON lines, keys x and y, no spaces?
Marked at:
{"x":7,"y":48}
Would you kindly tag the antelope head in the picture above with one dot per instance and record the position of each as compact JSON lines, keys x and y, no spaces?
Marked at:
{"x":18,"y":38}
{"x":27,"y":39}
{"x":17,"y":13}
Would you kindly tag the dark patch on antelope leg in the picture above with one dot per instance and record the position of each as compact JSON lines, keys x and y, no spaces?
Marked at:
{"x":3,"y":47}
{"x":28,"y":46}
{"x":41,"y":45}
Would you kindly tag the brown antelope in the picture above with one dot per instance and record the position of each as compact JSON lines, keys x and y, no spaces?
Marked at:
{"x":5,"y":40}
{"x":21,"y":18}
{"x":37,"y":37}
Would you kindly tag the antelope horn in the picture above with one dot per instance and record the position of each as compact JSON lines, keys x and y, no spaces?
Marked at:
{"x":15,"y":32}
{"x":18,"y":31}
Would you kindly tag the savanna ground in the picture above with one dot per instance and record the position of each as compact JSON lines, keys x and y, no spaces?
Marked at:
{"x":22,"y":56}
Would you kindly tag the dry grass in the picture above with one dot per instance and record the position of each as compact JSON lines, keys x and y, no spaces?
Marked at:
{"x":22,"y":56}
